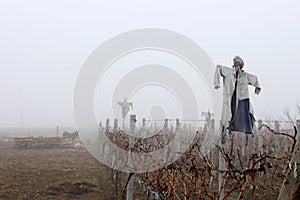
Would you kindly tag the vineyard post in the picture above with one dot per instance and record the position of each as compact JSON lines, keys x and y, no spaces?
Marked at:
{"x":276,"y":139}
{"x":107,"y":131}
{"x":165,"y":129}
{"x":107,"y":126}
{"x":99,"y":132}
{"x":184,"y":128}
{"x":115,"y":128}
{"x":57,"y":128}
{"x":212,"y":125}
{"x":260,"y":149}
{"x":144,"y":128}
{"x":260,"y":138}
{"x":221,"y":160}
{"x":114,"y":139}
{"x":243,"y":143}
{"x":177,"y":132}
{"x":100,"y":125}
{"x":292,"y":180}
{"x":143,"y":122}
{"x":165,"y":135}
{"x":115,"y":155}
{"x":131,"y":145}
{"x":177,"y":124}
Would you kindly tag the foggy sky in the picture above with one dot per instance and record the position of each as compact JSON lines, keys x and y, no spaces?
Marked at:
{"x":43,"y":45}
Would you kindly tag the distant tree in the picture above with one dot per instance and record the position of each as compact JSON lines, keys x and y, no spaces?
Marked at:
{"x":292,"y":115}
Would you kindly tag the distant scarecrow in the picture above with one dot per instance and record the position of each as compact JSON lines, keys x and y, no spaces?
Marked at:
{"x":237,"y":112}
{"x":125,"y":109}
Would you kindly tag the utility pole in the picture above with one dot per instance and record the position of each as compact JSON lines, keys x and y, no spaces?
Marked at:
{"x":21,"y":108}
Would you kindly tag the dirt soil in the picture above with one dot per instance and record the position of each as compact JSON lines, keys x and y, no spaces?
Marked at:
{"x":56,"y":174}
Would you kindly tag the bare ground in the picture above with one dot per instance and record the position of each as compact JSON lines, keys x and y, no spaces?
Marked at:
{"x":56,"y":174}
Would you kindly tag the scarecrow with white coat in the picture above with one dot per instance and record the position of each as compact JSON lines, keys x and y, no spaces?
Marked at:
{"x":237,"y":111}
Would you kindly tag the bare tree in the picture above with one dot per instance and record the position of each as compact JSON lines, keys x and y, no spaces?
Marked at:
{"x":269,"y":118}
{"x":290,"y":116}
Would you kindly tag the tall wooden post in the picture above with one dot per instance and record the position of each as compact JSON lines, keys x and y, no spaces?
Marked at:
{"x":177,"y":129}
{"x":115,"y":155}
{"x":115,"y":131}
{"x":177,"y":124}
{"x":144,"y":133}
{"x":222,"y":130}
{"x":106,"y":131}
{"x":260,"y":148}
{"x":115,"y":125}
{"x":260,"y":138}
{"x":107,"y":125}
{"x":100,"y":129}
{"x":293,"y":176}
{"x":276,"y":139}
{"x":165,"y":129}
{"x":165,"y":134}
{"x":131,"y":145}
{"x":212,"y":132}
{"x":244,"y":138}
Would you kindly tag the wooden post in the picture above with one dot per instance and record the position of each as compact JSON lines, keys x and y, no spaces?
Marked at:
{"x":165,"y":134}
{"x":165,"y":131}
{"x":221,"y":159}
{"x":177,"y":124}
{"x":293,"y":177}
{"x":144,"y":122}
{"x":277,"y":139}
{"x":177,"y":129}
{"x":106,"y":131}
{"x":100,"y":129}
{"x":260,"y":138}
{"x":212,"y":128}
{"x":144,"y":133}
{"x":277,"y":125}
{"x":259,"y":144}
{"x":115,"y":127}
{"x":244,"y":136}
{"x":165,"y":128}
{"x":115,"y":155}
{"x":184,"y":128}
{"x":107,"y":126}
{"x":57,"y":127}
{"x":131,"y":145}
{"x":115,"y":131}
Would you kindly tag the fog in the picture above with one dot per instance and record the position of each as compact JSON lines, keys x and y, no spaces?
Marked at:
{"x":43,"y":45}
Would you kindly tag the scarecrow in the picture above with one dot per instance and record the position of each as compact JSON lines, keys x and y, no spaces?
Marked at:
{"x":237,"y":111}
{"x":125,"y":109}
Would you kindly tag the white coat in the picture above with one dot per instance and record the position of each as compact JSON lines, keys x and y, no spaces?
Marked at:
{"x":242,"y":91}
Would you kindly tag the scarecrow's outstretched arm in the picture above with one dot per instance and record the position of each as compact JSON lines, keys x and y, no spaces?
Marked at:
{"x":253,"y":80}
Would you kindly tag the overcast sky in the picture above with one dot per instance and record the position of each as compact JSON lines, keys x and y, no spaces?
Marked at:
{"x":43,"y":45}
